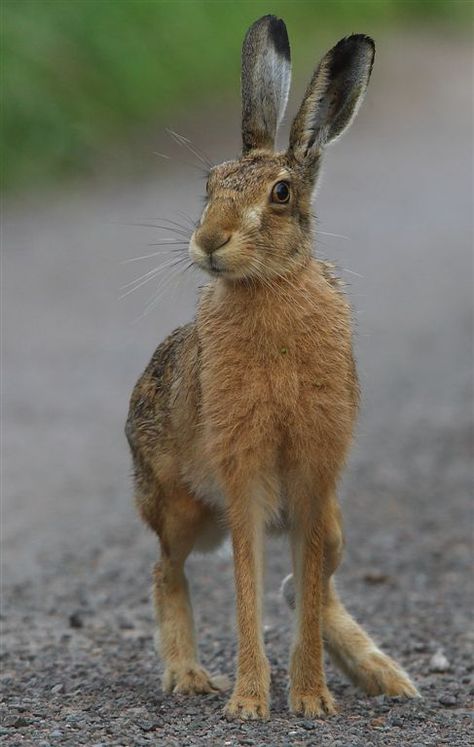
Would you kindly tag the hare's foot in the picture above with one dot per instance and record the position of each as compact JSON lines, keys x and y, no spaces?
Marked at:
{"x":312,"y":704}
{"x":247,"y":707}
{"x":378,"y":674}
{"x":191,"y":680}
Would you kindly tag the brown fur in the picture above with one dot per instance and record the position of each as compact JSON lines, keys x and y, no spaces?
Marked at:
{"x":243,"y":420}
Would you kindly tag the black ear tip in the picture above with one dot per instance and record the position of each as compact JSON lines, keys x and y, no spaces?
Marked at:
{"x":355,"y":42}
{"x":279,"y":36}
{"x":351,"y":48}
{"x":277,"y":33}
{"x":362,"y":39}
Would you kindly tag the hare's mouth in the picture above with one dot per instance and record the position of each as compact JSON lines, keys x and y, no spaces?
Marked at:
{"x":215,"y":266}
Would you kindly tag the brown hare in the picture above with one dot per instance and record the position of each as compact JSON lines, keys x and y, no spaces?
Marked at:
{"x":243,"y":418}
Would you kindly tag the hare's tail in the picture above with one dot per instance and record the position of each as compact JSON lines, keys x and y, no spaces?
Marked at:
{"x":354,"y":651}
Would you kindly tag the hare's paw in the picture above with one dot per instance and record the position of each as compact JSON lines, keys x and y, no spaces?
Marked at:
{"x":192,"y":680}
{"x":314,"y":704}
{"x":378,"y":674}
{"x":247,"y":707}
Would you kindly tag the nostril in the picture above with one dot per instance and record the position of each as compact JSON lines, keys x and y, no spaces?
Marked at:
{"x":211,"y":242}
{"x":225,"y":241}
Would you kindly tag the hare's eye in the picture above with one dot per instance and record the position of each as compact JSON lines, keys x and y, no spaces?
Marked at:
{"x":281,"y":193}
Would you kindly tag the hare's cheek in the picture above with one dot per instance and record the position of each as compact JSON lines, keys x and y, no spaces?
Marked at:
{"x":252,"y":218}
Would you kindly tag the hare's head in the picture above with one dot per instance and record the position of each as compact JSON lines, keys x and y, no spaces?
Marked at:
{"x":257,"y":218}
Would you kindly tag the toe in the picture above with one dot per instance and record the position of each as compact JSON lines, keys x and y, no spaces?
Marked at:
{"x":249,"y":708}
{"x":313,"y":705}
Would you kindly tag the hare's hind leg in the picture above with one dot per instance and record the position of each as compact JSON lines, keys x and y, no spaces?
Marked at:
{"x":180,"y":521}
{"x":349,"y":645}
{"x":357,"y":655}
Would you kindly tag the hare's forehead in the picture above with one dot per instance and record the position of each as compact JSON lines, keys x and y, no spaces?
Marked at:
{"x":247,"y":173}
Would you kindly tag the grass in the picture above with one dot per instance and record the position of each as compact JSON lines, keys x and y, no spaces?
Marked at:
{"x":80,"y":74}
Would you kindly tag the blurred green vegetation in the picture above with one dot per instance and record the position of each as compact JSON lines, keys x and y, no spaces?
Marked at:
{"x":79,"y":74}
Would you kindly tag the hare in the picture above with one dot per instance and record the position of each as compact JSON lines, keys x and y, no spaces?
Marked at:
{"x":242,"y":420}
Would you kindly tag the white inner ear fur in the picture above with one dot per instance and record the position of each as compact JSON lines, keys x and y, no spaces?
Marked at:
{"x":280,"y":79}
{"x":271,"y":78}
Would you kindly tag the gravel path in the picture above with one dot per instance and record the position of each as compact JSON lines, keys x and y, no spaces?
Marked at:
{"x":77,"y":664}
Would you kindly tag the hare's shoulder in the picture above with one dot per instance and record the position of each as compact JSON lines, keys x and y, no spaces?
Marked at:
{"x":151,"y":397}
{"x":171,"y":353}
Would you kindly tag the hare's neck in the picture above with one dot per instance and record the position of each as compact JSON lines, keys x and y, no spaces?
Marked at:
{"x":268,"y":307}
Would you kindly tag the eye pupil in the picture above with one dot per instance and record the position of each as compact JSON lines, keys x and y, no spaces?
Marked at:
{"x":281,"y":192}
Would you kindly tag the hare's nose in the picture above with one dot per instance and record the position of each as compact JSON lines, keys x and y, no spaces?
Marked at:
{"x":211,"y":241}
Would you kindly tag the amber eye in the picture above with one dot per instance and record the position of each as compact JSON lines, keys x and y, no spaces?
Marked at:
{"x":281,"y":193}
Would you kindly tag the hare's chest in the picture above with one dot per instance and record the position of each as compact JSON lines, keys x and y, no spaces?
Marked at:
{"x":257,"y":391}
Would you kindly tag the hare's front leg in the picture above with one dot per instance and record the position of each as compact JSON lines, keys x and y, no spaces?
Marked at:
{"x":250,"y":698}
{"x":178,"y":523}
{"x":309,"y":694}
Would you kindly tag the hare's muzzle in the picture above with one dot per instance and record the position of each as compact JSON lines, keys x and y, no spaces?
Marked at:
{"x":204,"y":249}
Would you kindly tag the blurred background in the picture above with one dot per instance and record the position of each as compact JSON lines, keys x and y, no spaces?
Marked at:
{"x":82,"y":77}
{"x":90,"y":181}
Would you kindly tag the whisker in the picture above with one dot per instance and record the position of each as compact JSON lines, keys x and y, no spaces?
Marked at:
{"x":335,"y":235}
{"x":179,"y":225}
{"x":138,"y":282}
{"x":163,"y":252}
{"x":171,"y":243}
{"x":189,"y":164}
{"x":163,"y":287}
{"x":184,"y":141}
{"x":192,"y":223}
{"x":182,"y":230}
{"x":352,"y":272}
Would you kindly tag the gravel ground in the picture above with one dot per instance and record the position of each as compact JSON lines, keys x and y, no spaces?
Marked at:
{"x":77,"y":659}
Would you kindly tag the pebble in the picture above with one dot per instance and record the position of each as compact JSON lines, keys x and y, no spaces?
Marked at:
{"x":75,"y":620}
{"x":20,"y":722}
{"x":308,"y":725}
{"x":57,"y":688}
{"x":439,"y":662}
{"x":395,"y":721}
{"x":376,"y":577}
{"x":447,"y":699}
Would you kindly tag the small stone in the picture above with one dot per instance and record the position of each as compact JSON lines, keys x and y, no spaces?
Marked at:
{"x":308,"y":725}
{"x":75,"y":620}
{"x":419,"y":646}
{"x":56,"y":733}
{"x":146,"y":725}
{"x":19,"y":722}
{"x":395,"y":721}
{"x":57,"y":688}
{"x":447,"y":699}
{"x":439,"y":662}
{"x":125,"y":624}
{"x":378,"y":722}
{"x":376,"y":577}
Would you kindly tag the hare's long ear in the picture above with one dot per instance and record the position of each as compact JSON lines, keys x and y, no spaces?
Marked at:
{"x":332,"y":98}
{"x":266,"y":75}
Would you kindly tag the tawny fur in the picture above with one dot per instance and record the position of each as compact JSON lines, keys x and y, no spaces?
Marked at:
{"x":243,"y":419}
